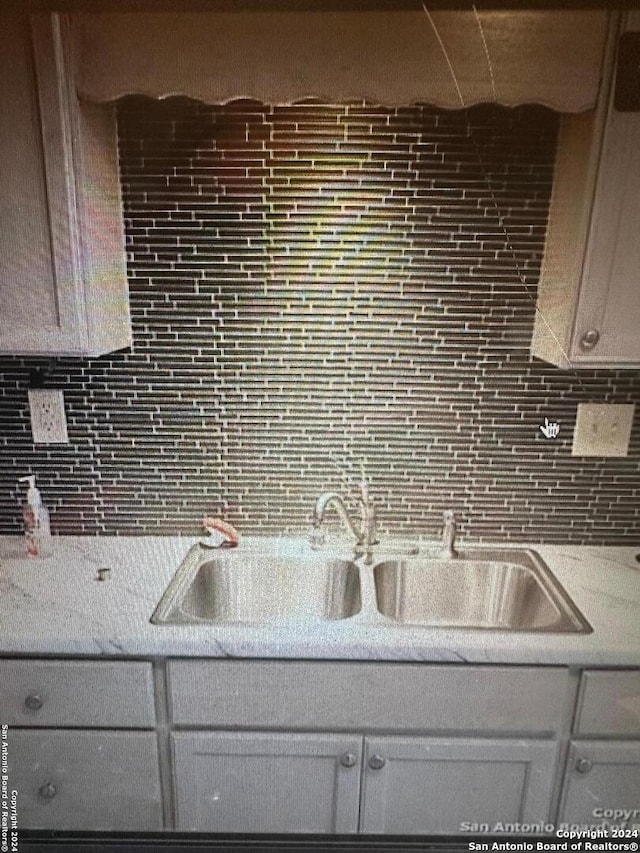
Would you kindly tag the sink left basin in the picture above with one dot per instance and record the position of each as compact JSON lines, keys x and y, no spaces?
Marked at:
{"x":259,"y":588}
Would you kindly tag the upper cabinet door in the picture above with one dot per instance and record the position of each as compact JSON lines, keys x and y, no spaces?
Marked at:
{"x":63,"y":288}
{"x":607,"y":325}
{"x":27,"y":281}
{"x":589,"y":293}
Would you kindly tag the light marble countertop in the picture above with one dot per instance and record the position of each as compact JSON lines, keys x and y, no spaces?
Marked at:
{"x":54,"y":605}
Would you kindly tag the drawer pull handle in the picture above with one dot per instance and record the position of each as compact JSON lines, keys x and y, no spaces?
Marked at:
{"x":377,"y":762}
{"x":589,"y":339}
{"x":348,"y":759}
{"x":33,"y":702}
{"x":47,"y":791}
{"x":583,"y":765}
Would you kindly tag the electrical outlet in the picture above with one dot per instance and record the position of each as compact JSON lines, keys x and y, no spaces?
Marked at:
{"x":602,"y":429}
{"x":48,"y":420}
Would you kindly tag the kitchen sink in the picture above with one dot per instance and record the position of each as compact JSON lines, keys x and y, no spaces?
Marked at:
{"x":275,"y":582}
{"x":252,"y":587}
{"x":502,"y":590}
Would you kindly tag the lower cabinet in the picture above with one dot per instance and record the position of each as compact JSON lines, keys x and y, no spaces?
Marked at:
{"x":262,"y":782}
{"x":437,"y":785}
{"x":601,"y":776}
{"x":286,"y":782}
{"x":247,"y":756}
{"x":85,"y":780}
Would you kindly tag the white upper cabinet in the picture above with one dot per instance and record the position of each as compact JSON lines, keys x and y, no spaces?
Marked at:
{"x":607,"y":326}
{"x":589,"y":296}
{"x":63,"y":287}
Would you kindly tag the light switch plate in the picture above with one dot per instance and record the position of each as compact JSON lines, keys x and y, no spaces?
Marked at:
{"x":48,"y":419}
{"x":603,"y":429}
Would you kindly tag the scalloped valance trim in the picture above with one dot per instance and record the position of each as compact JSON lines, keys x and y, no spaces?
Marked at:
{"x":548,"y":57}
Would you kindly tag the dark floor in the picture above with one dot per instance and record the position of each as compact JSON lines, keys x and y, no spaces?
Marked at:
{"x":51,"y":842}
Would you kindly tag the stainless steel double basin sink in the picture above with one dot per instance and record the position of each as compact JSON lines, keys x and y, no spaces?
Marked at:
{"x":268,"y":583}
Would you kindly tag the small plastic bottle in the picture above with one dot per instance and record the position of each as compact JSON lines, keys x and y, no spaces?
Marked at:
{"x":35,"y":517}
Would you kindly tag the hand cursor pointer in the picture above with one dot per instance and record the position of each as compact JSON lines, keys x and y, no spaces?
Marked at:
{"x":550,"y":429}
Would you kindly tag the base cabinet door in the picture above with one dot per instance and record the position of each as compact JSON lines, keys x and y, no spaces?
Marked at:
{"x":426,"y":786}
{"x":264,"y":782}
{"x":85,"y":780}
{"x":602,"y":776}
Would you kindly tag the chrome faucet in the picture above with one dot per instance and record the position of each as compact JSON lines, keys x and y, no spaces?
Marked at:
{"x":448,"y":550}
{"x":364,"y":532}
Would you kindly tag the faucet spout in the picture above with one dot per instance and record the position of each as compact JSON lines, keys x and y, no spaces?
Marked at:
{"x":365,"y":532}
{"x":329,"y":499}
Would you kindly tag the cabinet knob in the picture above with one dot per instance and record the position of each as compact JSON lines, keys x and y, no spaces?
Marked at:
{"x":377,"y":762}
{"x":583,"y":765}
{"x":47,"y":791}
{"x":589,"y":339}
{"x":348,"y":759}
{"x":33,"y":702}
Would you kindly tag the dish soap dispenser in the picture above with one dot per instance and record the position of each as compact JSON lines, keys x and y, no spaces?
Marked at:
{"x":35,"y":517}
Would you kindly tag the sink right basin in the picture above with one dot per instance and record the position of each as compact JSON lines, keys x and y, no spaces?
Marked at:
{"x":507,"y":590}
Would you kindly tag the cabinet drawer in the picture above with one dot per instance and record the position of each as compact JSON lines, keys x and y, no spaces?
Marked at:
{"x":85,"y":780}
{"x":110,"y":694}
{"x":366,"y":696}
{"x":609,"y":704}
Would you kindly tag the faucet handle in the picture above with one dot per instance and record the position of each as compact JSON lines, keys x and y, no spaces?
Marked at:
{"x":370,"y":524}
{"x":365,"y":492}
{"x":448,"y":549}
{"x":364,"y":480}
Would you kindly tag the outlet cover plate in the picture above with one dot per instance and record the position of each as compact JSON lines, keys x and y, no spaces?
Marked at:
{"x":603,"y":429}
{"x":48,"y":419}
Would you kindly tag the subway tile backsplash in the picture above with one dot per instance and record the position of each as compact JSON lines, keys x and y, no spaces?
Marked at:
{"x":314,"y":286}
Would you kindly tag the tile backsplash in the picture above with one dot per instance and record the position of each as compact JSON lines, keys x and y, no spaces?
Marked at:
{"x":313,"y":286}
